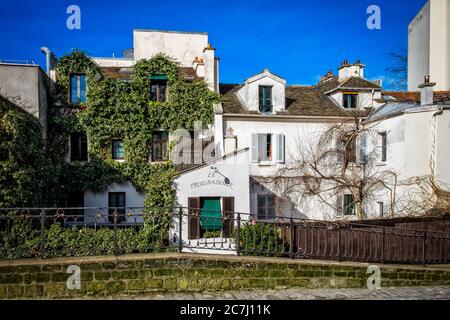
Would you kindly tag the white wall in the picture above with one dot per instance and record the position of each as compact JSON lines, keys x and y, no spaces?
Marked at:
{"x":249,"y":93}
{"x":419,"y":48}
{"x":299,"y":133}
{"x":133,"y":199}
{"x":443,"y":151}
{"x":183,"y":47}
{"x":429,"y":46}
{"x":205,"y":182}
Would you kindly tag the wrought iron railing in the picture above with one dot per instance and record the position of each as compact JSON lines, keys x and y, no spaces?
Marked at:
{"x":52,"y":232}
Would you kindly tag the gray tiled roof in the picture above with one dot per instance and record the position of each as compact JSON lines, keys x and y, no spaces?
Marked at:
{"x":300,"y":101}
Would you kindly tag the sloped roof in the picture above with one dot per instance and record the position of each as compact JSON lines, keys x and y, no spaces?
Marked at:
{"x":300,"y":101}
{"x":391,"y":109}
{"x":359,"y":83}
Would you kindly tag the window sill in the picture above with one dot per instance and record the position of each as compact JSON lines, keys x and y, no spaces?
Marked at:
{"x":159,"y":161}
{"x":119,"y":160}
{"x":381,"y":164}
{"x":266,"y":164}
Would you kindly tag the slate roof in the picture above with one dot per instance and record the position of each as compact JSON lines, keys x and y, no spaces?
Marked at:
{"x":359,"y":83}
{"x":300,"y":101}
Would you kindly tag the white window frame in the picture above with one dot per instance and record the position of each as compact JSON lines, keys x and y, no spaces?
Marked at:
{"x":278,"y":145}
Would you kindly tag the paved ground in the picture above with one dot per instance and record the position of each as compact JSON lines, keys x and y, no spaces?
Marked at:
{"x":408,"y":293}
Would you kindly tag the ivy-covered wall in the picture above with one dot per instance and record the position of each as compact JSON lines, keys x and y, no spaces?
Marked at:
{"x":24,"y":167}
{"x":118,"y":109}
{"x":114,"y":109}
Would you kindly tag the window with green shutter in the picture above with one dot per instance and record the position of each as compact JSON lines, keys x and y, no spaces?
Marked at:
{"x":265,"y":99}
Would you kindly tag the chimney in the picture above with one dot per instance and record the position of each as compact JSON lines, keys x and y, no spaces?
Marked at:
{"x":348,"y":70}
{"x":230,"y":142}
{"x":426,"y":92}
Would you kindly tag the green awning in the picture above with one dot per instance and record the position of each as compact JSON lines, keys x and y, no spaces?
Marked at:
{"x":158,"y":77}
{"x":211,"y":214}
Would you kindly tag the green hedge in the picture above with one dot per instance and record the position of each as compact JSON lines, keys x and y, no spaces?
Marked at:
{"x":260,"y":239}
{"x":20,"y":238}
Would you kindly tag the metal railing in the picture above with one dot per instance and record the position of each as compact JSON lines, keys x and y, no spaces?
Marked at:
{"x":53,"y":232}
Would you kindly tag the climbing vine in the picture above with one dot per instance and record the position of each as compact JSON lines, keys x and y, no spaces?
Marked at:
{"x":119,"y":109}
{"x":24,"y":168}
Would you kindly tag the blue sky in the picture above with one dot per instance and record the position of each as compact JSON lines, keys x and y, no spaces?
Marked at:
{"x":299,"y":40}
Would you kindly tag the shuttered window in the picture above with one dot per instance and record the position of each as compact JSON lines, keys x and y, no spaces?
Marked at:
{"x":263,"y":147}
{"x":228,"y":215}
{"x":77,"y":88}
{"x":193,"y":218}
{"x":265,"y":99}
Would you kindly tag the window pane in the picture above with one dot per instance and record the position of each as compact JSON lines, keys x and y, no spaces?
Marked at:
{"x":261,"y":205}
{"x":269,"y":147}
{"x":270,"y":206}
{"x":78,"y":147}
{"x":349,"y":205}
{"x":118,"y":150}
{"x":350,"y":101}
{"x":160,"y":145}
{"x":82,"y":88}
{"x":74,"y":89}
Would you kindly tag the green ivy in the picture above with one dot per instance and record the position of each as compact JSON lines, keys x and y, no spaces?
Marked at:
{"x":114,"y":109}
{"x":25,"y":179}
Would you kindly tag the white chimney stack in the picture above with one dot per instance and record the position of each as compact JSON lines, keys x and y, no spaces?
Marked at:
{"x":426,"y":92}
{"x":348,"y":70}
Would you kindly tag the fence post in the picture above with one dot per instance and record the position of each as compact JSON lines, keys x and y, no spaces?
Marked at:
{"x":180,"y":228}
{"x":424,"y":248}
{"x":291,"y":238}
{"x":339,"y":243}
{"x":238,"y":234}
{"x":116,"y":250}
{"x":42,"y":238}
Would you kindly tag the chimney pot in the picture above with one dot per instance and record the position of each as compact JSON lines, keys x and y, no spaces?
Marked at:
{"x":426,"y":92}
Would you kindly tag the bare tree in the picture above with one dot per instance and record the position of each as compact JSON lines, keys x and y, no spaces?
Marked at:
{"x":334,"y":162}
{"x":398,"y":70}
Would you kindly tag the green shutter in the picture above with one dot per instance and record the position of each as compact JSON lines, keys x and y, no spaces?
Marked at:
{"x":158,"y":77}
{"x":211,"y":214}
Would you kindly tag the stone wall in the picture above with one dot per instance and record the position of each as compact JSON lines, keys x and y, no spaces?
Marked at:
{"x":139,"y":274}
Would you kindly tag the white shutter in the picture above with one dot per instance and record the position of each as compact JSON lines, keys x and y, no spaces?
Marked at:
{"x":362,"y":148}
{"x":339,"y":205}
{"x":280,"y":148}
{"x":254,"y":147}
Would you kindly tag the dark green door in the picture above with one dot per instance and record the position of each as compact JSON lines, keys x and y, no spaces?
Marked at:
{"x":210,"y":214}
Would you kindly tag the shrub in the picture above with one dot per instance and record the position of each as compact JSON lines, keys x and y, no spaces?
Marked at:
{"x":259,"y":239}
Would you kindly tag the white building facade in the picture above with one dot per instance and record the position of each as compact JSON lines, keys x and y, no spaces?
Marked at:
{"x":429,"y":45}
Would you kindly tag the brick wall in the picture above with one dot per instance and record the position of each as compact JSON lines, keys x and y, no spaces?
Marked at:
{"x":139,"y":274}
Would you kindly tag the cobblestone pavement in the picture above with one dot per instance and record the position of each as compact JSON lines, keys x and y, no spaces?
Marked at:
{"x":407,"y":293}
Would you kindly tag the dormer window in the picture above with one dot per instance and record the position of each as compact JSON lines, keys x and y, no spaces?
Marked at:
{"x":265,"y":99}
{"x":158,"y":86}
{"x":350,"y":100}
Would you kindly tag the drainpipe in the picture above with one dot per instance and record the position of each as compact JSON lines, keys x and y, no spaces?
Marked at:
{"x":48,"y":59}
